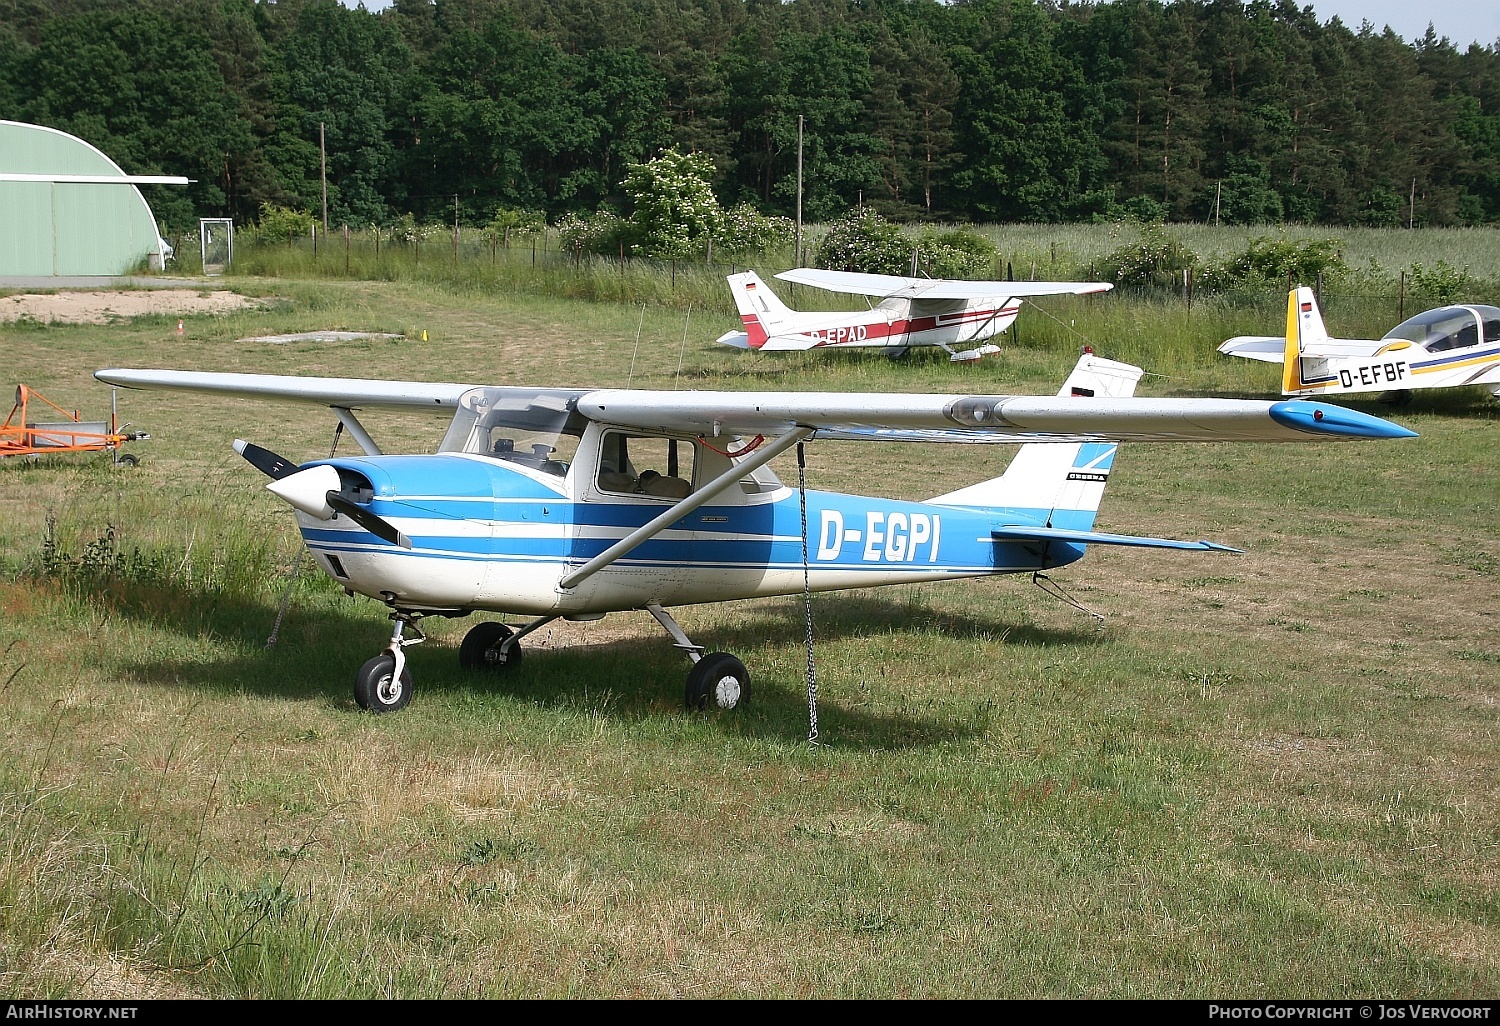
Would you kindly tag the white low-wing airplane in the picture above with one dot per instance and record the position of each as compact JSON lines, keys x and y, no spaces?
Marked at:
{"x":574,"y":503}
{"x":910,"y":312}
{"x":1441,"y":348}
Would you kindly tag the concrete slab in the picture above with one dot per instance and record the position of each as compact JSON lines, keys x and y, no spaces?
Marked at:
{"x":321,"y":336}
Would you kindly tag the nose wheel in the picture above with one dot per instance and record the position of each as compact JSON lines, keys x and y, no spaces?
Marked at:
{"x":378,"y":688}
{"x":383,"y":684}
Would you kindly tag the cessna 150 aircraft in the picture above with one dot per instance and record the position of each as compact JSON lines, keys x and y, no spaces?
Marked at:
{"x":575,"y":503}
{"x":911,"y":312}
{"x":1441,"y":348}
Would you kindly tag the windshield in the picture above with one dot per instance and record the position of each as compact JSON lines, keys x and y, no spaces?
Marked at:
{"x":1449,"y":327}
{"x":536,"y":428}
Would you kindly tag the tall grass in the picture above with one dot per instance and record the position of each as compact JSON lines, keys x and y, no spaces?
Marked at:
{"x":1381,"y":260}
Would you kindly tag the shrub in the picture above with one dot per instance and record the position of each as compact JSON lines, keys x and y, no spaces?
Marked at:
{"x":278,"y":224}
{"x":743,"y":229}
{"x":1275,"y":260}
{"x":1443,"y":282}
{"x":957,"y":253}
{"x":862,"y":240}
{"x":676,"y":212}
{"x":509,"y":221}
{"x":1157,"y":260}
{"x":603,"y":232}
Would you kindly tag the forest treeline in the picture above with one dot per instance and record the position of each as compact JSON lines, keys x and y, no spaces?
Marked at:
{"x":984,"y":110}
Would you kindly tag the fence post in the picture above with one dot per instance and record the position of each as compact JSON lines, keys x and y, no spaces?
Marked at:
{"x":346,"y":250}
{"x":1401,"y":299}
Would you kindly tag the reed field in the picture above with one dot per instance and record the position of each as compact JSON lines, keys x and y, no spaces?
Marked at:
{"x":1169,"y":775}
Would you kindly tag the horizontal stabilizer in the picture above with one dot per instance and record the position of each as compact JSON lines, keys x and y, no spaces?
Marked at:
{"x":1268,"y":348}
{"x":1095,"y":538}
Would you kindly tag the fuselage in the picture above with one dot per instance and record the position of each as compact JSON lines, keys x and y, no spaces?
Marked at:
{"x":894,"y":323}
{"x":488,"y":534}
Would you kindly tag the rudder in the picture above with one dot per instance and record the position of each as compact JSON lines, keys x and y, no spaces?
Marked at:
{"x":761,"y":310}
{"x":1058,"y":484}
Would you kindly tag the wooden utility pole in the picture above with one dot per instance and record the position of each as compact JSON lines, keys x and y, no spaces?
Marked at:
{"x":323,"y":157}
{"x":799,"y":189}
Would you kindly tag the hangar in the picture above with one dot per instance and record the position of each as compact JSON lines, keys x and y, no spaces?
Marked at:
{"x":67,"y":209}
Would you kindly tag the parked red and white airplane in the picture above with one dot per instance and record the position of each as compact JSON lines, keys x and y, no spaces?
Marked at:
{"x":911,"y":312}
{"x":1446,"y":347}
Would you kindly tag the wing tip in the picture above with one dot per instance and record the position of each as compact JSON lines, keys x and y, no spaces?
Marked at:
{"x":1335,"y":421}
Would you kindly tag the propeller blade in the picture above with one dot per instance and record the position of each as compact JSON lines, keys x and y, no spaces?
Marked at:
{"x":264,"y":460}
{"x":376,"y":525}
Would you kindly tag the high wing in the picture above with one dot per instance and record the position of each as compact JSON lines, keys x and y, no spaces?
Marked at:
{"x":344,"y":393}
{"x":886,"y":416}
{"x":982,"y":418}
{"x":891,"y":286}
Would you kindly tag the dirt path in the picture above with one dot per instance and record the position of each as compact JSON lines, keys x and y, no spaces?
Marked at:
{"x":103,"y":307}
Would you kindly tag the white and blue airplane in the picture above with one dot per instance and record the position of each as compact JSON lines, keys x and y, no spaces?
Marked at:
{"x":576,"y":503}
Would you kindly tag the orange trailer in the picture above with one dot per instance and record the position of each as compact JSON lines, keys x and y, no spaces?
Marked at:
{"x":22,"y":436}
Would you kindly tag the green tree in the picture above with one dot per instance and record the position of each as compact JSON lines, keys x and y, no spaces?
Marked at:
{"x":340,"y":73}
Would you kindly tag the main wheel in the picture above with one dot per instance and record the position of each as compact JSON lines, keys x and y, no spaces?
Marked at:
{"x":481,"y":648}
{"x":718,"y":681}
{"x":376,"y":687}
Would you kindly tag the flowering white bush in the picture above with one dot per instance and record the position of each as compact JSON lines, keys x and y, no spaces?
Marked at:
{"x":746,"y":230}
{"x":676,"y":212}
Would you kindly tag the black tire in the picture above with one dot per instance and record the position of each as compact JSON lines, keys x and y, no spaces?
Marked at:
{"x":375,"y":690}
{"x":718,"y":681}
{"x":480,"y":649}
{"x":128,"y":459}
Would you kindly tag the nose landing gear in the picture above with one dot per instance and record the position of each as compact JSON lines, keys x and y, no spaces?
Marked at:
{"x":383,"y":684}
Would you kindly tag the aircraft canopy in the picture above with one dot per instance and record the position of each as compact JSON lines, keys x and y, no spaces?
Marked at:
{"x":1450,"y":327}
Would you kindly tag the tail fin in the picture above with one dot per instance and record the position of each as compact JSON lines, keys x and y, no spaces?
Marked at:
{"x":761,"y":309}
{"x":1304,"y":330}
{"x":1057,"y":484}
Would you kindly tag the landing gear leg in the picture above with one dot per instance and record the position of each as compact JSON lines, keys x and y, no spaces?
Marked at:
{"x":717,"y":680}
{"x":383,"y":684}
{"x":494,"y":646}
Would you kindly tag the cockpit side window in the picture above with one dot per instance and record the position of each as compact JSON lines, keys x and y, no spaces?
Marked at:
{"x":646,"y":465}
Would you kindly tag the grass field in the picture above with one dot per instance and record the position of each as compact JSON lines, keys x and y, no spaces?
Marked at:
{"x":1262,"y":775}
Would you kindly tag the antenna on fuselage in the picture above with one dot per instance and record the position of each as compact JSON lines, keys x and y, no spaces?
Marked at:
{"x":640,"y":324}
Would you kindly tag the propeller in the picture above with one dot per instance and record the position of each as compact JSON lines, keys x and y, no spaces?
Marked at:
{"x":375,"y":524}
{"x":309,"y":491}
{"x":264,"y":460}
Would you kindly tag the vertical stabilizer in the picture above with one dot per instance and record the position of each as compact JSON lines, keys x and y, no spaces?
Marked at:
{"x":761,"y":309}
{"x":1058,"y":484}
{"x":1304,"y":331}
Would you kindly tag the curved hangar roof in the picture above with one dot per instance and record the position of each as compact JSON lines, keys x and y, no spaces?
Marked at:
{"x":67,"y":209}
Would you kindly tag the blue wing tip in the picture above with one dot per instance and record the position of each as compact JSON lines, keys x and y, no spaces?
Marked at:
{"x":1327,"y":419}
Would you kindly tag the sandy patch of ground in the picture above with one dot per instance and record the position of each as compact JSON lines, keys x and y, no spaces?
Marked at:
{"x":103,"y":307}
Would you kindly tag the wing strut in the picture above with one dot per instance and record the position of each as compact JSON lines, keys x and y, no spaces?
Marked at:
{"x":765,"y":454}
{"x":357,"y":430}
